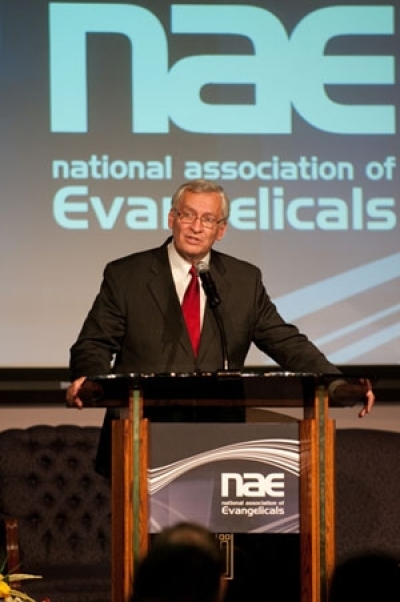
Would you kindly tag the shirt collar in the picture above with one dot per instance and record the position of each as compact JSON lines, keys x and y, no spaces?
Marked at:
{"x":178,"y":264}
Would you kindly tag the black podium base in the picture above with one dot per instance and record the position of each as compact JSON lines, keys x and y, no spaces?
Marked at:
{"x":266,"y":567}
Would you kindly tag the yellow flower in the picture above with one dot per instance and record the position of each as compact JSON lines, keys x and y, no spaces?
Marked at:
{"x":8,"y":594}
{"x":5,"y":589}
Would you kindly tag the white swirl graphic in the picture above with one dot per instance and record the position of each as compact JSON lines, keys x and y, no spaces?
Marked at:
{"x":281,"y":453}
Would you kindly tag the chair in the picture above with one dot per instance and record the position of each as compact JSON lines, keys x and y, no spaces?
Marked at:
{"x":367,"y":492}
{"x":57,"y":512}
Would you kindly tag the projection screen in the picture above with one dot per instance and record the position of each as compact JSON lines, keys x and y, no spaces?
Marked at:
{"x":106,"y":107}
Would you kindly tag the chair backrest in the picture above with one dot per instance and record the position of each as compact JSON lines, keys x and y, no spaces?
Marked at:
{"x":367,"y":492}
{"x":48,"y":482}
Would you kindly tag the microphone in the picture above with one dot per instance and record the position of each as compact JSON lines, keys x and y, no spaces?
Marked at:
{"x":210,"y":289}
{"x":214,"y":300}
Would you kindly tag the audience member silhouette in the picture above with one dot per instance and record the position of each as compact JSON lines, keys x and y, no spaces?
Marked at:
{"x":368,"y":577}
{"x":184,"y":564}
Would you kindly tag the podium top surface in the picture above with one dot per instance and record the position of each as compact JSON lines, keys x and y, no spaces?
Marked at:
{"x":245,"y":388}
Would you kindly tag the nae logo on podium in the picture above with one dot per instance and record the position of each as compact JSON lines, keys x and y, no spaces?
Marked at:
{"x":252,"y":484}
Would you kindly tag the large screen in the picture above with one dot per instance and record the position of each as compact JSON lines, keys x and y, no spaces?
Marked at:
{"x":107,"y":107}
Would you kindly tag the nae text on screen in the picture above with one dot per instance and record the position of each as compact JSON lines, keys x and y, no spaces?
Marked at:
{"x":308,"y":69}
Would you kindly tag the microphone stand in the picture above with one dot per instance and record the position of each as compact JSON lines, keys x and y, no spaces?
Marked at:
{"x":214,"y":300}
{"x":224,"y":347}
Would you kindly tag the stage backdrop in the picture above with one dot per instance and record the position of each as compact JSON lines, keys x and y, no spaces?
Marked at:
{"x":106,"y":107}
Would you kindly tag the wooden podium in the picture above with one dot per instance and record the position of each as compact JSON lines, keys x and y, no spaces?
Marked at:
{"x":136,"y":394}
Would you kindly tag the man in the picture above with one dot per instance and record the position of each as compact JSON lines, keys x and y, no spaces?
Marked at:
{"x":136,"y":323}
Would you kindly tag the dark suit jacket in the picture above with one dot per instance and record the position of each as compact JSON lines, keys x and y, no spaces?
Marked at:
{"x":137,"y":321}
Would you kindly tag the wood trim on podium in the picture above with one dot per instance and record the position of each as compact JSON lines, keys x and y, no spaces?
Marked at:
{"x":129,"y":520}
{"x":317,"y":500}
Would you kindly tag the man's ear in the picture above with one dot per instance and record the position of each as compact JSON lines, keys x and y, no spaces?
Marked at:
{"x":221,"y":231}
{"x":171,"y":216}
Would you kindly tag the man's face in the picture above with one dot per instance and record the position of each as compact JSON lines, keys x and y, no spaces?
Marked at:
{"x":193,"y":239}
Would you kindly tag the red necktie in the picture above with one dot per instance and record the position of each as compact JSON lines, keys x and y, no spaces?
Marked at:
{"x":191,"y":309}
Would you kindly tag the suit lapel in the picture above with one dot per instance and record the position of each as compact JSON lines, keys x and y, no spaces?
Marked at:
{"x":162,"y":287}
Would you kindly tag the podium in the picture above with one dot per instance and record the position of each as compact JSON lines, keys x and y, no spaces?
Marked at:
{"x":139,"y":396}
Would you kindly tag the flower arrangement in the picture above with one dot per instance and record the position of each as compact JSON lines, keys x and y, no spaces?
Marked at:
{"x":7,"y":592}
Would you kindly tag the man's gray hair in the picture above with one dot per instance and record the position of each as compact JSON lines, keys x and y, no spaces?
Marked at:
{"x":201,"y":185}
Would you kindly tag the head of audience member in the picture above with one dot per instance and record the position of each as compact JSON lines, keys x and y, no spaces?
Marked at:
{"x":184,"y":564}
{"x":368,"y":577}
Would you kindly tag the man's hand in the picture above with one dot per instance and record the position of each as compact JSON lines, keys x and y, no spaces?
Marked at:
{"x":369,"y":398}
{"x":72,"y":396}
{"x":347,"y":392}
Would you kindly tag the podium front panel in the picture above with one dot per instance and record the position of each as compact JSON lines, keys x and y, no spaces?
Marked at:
{"x":236,"y":478}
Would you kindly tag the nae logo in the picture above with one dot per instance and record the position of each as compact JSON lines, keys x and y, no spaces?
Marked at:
{"x":252,"y":484}
{"x":282,"y":73}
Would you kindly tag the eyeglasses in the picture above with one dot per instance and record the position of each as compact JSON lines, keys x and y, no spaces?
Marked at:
{"x":188,"y":217}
